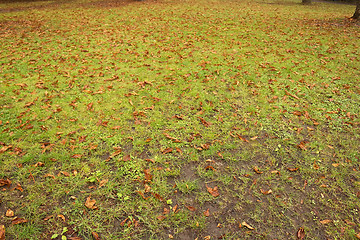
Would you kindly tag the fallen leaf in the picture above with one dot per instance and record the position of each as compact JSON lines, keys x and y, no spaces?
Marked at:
{"x":62,"y":217}
{"x":5,"y":148}
{"x":126,"y":158}
{"x":2,"y":232}
{"x":357,"y":235}
{"x":75,"y":238}
{"x":167,"y":150}
{"x":326,"y":221}
{"x":191,"y":208}
{"x":103,"y":182}
{"x":161,"y":217}
{"x":246,"y":225}
{"x":293,"y":169}
{"x":300,"y":233}
{"x":90,"y":203}
{"x":213,"y":191}
{"x":48,"y":217}
{"x":66,"y":174}
{"x":39,"y":164}
{"x":4,"y":182}
{"x":207,"y":213}
{"x":95,"y":235}
{"x":18,"y":187}
{"x":18,"y":221}
{"x":257,"y":170}
{"x":266,"y":192}
{"x":148,"y":176}
{"x":76,"y":156}
{"x":9,"y":213}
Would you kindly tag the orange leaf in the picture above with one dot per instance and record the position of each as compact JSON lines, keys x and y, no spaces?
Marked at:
{"x":246,"y":225}
{"x":326,"y":221}
{"x":76,"y":156}
{"x":213,"y":191}
{"x":126,"y":158}
{"x":257,"y":170}
{"x":5,"y":148}
{"x":191,"y":208}
{"x":300,"y":233}
{"x":266,"y":192}
{"x":6,"y":182}
{"x":62,"y":217}
{"x":96,"y":236}
{"x":9,"y":213}
{"x":90,"y":203}
{"x":2,"y":232}
{"x":167,"y":150}
{"x":207,"y":213}
{"x":148,"y":176}
{"x":293,"y":169}
{"x":18,"y":221}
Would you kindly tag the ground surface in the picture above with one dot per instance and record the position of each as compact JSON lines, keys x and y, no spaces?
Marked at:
{"x":179,"y":120}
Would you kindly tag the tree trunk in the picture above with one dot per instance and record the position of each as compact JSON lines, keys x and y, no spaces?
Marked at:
{"x":357,"y":10}
{"x":306,"y":2}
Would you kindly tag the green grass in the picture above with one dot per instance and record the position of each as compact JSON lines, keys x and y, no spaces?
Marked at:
{"x":147,"y":107}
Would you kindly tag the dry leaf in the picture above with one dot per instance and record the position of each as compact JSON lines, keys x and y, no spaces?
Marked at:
{"x":5,"y":148}
{"x":126,"y":158}
{"x":4,"y":182}
{"x":96,"y":236}
{"x":103,"y":182}
{"x":90,"y":203}
{"x":257,"y":170}
{"x":148,"y":176}
{"x":18,"y":221}
{"x":213,"y":191}
{"x":75,"y":238}
{"x":300,"y":233}
{"x":293,"y":169}
{"x":207,"y":213}
{"x":191,"y":208}
{"x":357,"y":235}
{"x":62,"y":217}
{"x":326,"y":221}
{"x":246,"y":225}
{"x":9,"y":213}
{"x":2,"y":232}
{"x":167,"y":150}
{"x":266,"y":192}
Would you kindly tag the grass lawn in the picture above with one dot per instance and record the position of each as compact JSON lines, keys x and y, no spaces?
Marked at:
{"x":166,"y":119}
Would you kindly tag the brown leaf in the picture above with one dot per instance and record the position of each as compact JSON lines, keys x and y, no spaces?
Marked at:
{"x":191,"y":208}
{"x":90,"y":203}
{"x":39,"y":164}
{"x":66,"y":174}
{"x":95,"y":235}
{"x":266,"y":192}
{"x":126,"y":158}
{"x":75,"y":238}
{"x":213,"y":191}
{"x":9,"y":213}
{"x":210,"y":167}
{"x":357,"y":235}
{"x":161,"y":217}
{"x":4,"y":182}
{"x":293,"y":169}
{"x":103,"y":182}
{"x":246,"y":225}
{"x":48,"y":217}
{"x":18,"y":221}
{"x":2,"y":232}
{"x":18,"y":187}
{"x":76,"y":156}
{"x":167,"y":150}
{"x":5,"y":148}
{"x":207,"y":213}
{"x":205,"y":123}
{"x":300,"y":233}
{"x":326,"y":221}
{"x":148,"y":176}
{"x":302,"y":145}
{"x":157,"y":196}
{"x":256,"y":169}
{"x":62,"y":217}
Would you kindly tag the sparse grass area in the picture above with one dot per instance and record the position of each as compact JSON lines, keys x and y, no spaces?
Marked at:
{"x":179,"y":119}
